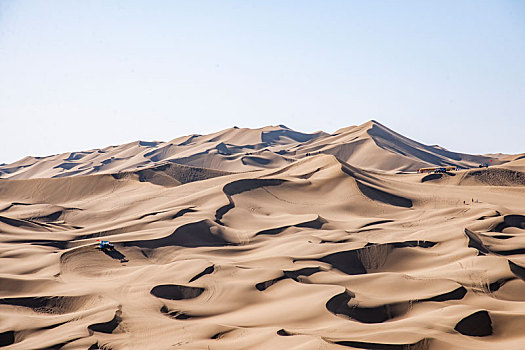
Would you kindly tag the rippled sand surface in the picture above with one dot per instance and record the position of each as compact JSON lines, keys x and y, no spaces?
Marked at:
{"x":317,"y":254}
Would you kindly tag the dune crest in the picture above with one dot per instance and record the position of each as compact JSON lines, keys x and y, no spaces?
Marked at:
{"x":370,"y":145}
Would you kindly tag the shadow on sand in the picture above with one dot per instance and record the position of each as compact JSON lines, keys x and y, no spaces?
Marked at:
{"x":115,"y":254}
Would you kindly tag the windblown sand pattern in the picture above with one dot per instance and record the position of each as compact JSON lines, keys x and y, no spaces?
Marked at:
{"x":313,"y":254}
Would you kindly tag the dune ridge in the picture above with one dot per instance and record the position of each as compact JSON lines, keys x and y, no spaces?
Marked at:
{"x":370,"y":145}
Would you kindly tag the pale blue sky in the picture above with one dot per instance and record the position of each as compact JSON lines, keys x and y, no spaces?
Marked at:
{"x":76,"y":75}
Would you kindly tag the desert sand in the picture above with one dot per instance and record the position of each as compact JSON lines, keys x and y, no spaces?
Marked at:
{"x":263,"y":239}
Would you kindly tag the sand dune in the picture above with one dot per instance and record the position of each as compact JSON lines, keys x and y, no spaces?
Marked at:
{"x":515,"y":162}
{"x":233,"y":149}
{"x":314,"y":253}
{"x":370,"y":145}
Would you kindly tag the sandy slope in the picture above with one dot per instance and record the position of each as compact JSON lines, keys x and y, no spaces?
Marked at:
{"x":370,"y":145}
{"x":316,"y":254}
{"x":515,"y":162}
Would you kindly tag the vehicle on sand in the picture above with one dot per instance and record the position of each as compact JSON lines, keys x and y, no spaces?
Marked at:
{"x":105,"y":245}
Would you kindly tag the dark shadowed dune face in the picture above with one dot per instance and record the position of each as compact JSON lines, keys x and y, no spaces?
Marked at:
{"x":267,"y":284}
{"x":107,"y":327}
{"x":478,"y":324}
{"x":283,"y":333}
{"x":294,"y":275}
{"x":176,"y":292}
{"x":241,"y":186}
{"x":177,"y":315}
{"x":517,"y":270}
{"x":517,"y":221}
{"x":372,"y":256}
{"x":347,"y":262}
{"x":482,"y":242}
{"x":7,"y":338}
{"x":196,"y":234}
{"x":382,"y":196}
{"x":382,"y":346}
{"x":252,"y":160}
{"x":340,"y":305}
{"x":456,"y":294}
{"x":48,"y":304}
{"x":431,"y":177}
{"x":206,"y":271}
{"x":376,"y":314}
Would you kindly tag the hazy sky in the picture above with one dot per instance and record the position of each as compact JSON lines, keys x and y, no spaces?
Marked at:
{"x":76,"y":75}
